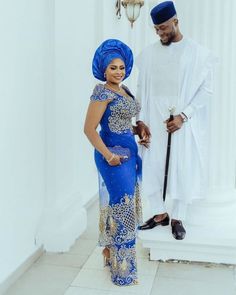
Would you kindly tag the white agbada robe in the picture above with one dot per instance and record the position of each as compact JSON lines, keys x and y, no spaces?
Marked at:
{"x":178,"y":75}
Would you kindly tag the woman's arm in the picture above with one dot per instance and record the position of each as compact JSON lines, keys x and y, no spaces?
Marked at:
{"x":95,"y":112}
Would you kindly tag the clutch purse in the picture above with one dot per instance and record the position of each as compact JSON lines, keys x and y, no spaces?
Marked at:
{"x":120,"y":151}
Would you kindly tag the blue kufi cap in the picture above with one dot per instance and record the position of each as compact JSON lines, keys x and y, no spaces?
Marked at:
{"x":162,"y":12}
{"x":106,"y":52}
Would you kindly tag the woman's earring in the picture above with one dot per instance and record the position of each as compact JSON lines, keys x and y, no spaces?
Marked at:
{"x":105,"y":75}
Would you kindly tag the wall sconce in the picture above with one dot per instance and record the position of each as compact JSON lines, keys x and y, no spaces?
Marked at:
{"x":132,"y":9}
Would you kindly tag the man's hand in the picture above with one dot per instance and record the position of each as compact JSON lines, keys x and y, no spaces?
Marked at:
{"x":142,"y":130}
{"x":175,"y":124}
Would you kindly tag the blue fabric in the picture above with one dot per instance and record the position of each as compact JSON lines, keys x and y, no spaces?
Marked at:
{"x":162,"y":12}
{"x":106,"y":52}
{"x":120,"y":204}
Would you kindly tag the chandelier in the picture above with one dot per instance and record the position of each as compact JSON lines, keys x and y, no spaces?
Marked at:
{"x":132,"y":9}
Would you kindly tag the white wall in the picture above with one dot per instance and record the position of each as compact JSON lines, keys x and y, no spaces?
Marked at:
{"x":24,"y":57}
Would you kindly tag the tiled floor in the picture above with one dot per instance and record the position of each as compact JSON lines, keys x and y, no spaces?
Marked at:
{"x":81,"y":272}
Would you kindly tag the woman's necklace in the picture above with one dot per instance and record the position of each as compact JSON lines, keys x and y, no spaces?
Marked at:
{"x":112,"y":88}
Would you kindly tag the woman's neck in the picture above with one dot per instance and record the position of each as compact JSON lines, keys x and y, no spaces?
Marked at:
{"x":113,"y":86}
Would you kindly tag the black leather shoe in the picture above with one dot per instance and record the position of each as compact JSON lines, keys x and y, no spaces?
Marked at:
{"x":151,"y":223}
{"x":178,"y":230}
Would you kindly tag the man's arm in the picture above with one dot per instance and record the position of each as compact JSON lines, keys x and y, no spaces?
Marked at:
{"x":200,"y":99}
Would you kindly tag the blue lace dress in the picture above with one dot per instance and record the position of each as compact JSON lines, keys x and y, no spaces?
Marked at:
{"x":120,"y":204}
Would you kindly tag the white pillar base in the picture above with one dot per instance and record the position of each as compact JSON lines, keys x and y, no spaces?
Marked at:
{"x":217,"y":210}
{"x":210,"y":234}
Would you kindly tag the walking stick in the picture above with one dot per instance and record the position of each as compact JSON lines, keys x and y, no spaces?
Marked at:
{"x":171,"y":110}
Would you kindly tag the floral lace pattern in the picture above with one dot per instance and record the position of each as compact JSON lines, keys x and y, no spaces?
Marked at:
{"x":118,"y":225}
{"x":100,"y":93}
{"x":123,"y":265}
{"x":122,"y":113}
{"x":118,"y":222}
{"x":121,"y":109}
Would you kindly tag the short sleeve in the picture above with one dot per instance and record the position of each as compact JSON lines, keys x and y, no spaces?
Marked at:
{"x":99,"y":93}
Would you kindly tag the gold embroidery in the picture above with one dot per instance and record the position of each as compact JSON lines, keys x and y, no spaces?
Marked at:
{"x":114,"y":263}
{"x":113,"y":225}
{"x":126,"y":200}
{"x":138,"y":205}
{"x":122,"y":112}
{"x":124,"y":265}
{"x":118,"y":222}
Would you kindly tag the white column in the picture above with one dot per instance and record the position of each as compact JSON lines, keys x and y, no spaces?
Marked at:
{"x":71,"y":172}
{"x":213,"y":24}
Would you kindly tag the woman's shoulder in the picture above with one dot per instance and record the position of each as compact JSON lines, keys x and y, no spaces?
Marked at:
{"x":99,"y":93}
{"x":98,"y":88}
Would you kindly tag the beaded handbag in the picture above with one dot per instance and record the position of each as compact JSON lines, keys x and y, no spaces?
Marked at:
{"x":120,"y":151}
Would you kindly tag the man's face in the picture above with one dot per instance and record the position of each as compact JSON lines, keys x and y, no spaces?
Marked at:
{"x":166,"y":31}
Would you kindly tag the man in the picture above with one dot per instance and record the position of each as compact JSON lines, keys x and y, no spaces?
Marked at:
{"x":174,"y":72}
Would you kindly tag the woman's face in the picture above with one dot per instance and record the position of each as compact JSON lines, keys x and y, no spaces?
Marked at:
{"x":115,"y":71}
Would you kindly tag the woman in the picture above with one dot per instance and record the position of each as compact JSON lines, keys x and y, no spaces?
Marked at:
{"x":116,"y":156}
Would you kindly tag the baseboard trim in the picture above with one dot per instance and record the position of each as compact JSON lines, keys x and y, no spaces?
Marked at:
{"x":20,"y":270}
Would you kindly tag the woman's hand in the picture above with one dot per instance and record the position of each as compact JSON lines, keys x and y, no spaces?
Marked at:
{"x":115,"y":160}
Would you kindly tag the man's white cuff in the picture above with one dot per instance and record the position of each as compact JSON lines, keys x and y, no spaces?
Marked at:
{"x":188,"y":111}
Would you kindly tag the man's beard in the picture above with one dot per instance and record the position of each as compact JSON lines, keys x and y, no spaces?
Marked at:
{"x":171,"y":37}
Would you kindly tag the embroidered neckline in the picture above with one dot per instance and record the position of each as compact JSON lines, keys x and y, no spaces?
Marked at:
{"x":129,"y":98}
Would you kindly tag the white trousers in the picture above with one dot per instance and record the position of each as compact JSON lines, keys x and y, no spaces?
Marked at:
{"x":179,"y":208}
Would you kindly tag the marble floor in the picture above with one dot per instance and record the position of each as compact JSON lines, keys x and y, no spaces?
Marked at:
{"x":80,"y":272}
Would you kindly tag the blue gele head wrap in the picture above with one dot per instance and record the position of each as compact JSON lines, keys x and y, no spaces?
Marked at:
{"x":162,"y":12}
{"x":106,"y":52}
